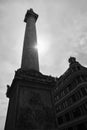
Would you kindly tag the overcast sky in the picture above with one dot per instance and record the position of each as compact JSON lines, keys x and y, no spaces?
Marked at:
{"x":61,"y":29}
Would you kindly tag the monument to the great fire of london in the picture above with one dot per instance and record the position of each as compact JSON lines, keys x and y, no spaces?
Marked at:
{"x":41,"y":102}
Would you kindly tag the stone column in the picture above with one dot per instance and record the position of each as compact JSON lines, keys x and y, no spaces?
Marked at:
{"x":30,"y":53}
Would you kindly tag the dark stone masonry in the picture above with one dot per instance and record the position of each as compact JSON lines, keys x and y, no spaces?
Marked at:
{"x":42,"y":102}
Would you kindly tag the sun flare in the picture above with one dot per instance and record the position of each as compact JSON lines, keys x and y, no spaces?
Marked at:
{"x":42,"y":46}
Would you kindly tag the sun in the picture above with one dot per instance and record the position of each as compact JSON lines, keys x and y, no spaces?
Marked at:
{"x":42,"y":46}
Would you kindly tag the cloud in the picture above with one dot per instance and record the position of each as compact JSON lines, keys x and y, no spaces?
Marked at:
{"x":2,"y":122}
{"x":3,"y":108}
{"x":62,"y":25}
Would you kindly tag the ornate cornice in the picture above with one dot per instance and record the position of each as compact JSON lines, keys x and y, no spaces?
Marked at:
{"x":34,"y":76}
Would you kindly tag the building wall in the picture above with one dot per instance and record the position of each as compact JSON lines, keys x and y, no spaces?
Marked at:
{"x":70,"y":97}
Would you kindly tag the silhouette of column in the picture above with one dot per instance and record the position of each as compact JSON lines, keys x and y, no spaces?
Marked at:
{"x":30,"y":53}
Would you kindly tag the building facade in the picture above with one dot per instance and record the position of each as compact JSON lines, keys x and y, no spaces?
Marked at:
{"x":70,"y":97}
{"x":41,"y":102}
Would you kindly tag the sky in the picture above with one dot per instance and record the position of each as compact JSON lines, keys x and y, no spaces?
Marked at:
{"x":61,"y":31}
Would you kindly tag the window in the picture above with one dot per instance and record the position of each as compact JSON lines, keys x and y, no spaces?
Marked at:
{"x":69,"y":101}
{"x":82,"y":77}
{"x":65,"y":90}
{"x":76,"y":112}
{"x":73,"y":83}
{"x":78,"y":67}
{"x":60,"y":120}
{"x":76,"y":82}
{"x":58,"y":108}
{"x":82,"y":109}
{"x":83,"y":91}
{"x":65,"y":104}
{"x":74,"y":98}
{"x":78,"y":79}
{"x":70,"y":128}
{"x":81,"y":126}
{"x":62,"y":107}
{"x":85,"y":107}
{"x":57,"y":97}
{"x":86,"y":89}
{"x":63,"y":93}
{"x":79,"y":94}
{"x":60,"y":95}
{"x":67,"y":116}
{"x":85,"y":78}
{"x":71,"y":86}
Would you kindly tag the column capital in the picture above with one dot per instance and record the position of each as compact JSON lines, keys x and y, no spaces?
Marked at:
{"x":30,"y":13}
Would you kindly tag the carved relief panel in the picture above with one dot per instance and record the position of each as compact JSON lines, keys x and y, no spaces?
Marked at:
{"x":35,"y":109}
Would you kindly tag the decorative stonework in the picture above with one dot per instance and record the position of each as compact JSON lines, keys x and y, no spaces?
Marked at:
{"x":35,"y":113}
{"x":30,"y":13}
